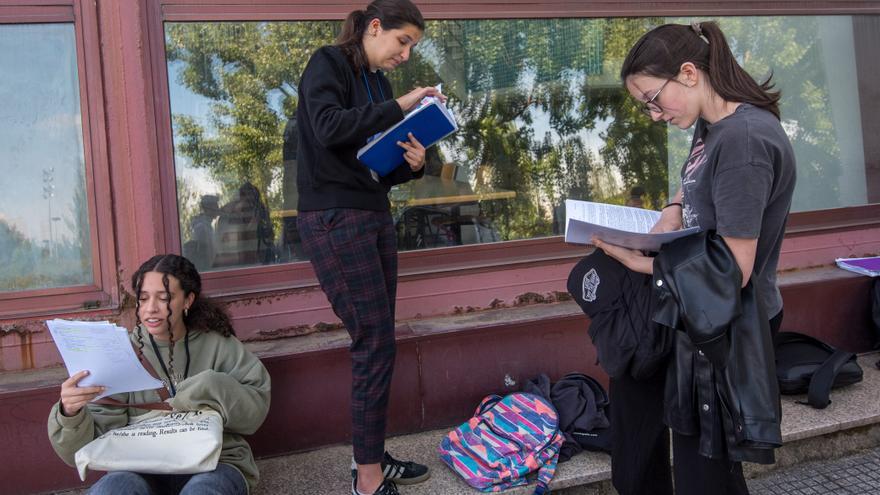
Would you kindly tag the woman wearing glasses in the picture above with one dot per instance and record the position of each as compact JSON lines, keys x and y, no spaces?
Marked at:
{"x":737,"y":181}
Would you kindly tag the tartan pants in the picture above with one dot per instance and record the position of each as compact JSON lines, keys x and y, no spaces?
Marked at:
{"x":354,"y":254}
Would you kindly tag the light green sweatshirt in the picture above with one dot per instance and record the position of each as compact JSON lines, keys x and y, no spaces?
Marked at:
{"x":223,"y":376}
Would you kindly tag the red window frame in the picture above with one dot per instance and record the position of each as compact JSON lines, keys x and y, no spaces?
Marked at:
{"x":476,"y":257}
{"x":102,"y":292}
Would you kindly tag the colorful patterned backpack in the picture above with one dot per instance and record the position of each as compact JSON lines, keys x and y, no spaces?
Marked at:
{"x":506,"y":439}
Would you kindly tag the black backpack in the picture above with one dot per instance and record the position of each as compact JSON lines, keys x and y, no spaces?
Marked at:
{"x":582,"y":405}
{"x":806,"y":365}
{"x":621,"y":305}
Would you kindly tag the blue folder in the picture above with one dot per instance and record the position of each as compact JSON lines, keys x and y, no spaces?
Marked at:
{"x":429,"y":123}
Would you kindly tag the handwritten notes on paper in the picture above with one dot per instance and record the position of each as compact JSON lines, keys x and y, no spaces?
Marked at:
{"x":105,"y":351}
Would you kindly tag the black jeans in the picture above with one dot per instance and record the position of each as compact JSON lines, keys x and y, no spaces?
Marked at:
{"x":640,"y":449}
{"x":640,"y":453}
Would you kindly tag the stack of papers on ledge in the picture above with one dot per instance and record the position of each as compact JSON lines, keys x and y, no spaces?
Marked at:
{"x":105,"y":351}
{"x":619,"y":225}
{"x":429,"y":123}
{"x":866,"y":266}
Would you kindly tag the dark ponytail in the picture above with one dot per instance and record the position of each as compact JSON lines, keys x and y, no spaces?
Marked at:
{"x":661,"y":52}
{"x":392,"y":14}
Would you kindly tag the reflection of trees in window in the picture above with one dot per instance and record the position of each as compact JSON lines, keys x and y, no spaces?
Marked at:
{"x":249,"y":71}
{"x":520,"y":88}
{"x":791,"y":48}
{"x":531,"y":97}
{"x":635,"y":148}
{"x":187,"y":205}
{"x":528,"y":94}
{"x":17,"y":262}
{"x":78,"y":223}
{"x":27,"y":265}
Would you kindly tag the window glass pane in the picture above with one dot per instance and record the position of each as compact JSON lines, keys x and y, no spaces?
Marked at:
{"x":233,"y":99}
{"x":814,"y":64}
{"x":543,"y":118}
{"x":44,"y":217}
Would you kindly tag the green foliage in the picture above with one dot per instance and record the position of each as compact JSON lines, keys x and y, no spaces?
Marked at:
{"x":797,"y":61}
{"x":249,"y":71}
{"x":25,"y":265}
{"x":502,"y":77}
{"x":187,"y":206}
{"x":530,"y":96}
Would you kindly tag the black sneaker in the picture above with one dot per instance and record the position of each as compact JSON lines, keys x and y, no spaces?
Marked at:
{"x":404,"y":473}
{"x":400,"y":472}
{"x":386,"y":488}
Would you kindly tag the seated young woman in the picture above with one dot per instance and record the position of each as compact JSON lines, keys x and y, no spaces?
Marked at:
{"x":192,"y":345}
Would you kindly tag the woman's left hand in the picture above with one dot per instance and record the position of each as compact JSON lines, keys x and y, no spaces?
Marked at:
{"x":414,"y":153}
{"x":630,"y":258}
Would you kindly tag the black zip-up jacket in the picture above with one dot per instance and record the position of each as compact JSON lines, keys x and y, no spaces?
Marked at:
{"x":335,"y":116}
{"x":721,"y":384}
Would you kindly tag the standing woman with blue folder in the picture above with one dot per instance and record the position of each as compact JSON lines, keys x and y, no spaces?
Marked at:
{"x":344,"y":215}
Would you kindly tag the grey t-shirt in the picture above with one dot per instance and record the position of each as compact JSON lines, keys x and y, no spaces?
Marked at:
{"x":738,"y":181}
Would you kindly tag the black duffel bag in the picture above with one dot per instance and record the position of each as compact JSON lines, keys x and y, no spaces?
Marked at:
{"x":806,"y":365}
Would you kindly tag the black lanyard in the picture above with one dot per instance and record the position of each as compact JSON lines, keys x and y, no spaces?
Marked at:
{"x":165,"y":369}
{"x":367,"y":84}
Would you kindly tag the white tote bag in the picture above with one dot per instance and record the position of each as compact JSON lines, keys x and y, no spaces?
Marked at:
{"x":158,"y":443}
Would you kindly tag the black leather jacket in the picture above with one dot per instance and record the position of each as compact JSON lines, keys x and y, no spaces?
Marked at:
{"x":721,"y":384}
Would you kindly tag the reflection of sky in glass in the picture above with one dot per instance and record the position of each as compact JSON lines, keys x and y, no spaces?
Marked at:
{"x":185,"y":102}
{"x":42,"y":129}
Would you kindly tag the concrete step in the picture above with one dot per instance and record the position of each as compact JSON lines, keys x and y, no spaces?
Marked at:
{"x":849,"y":424}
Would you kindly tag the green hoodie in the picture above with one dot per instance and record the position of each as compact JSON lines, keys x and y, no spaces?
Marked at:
{"x":223,"y":376}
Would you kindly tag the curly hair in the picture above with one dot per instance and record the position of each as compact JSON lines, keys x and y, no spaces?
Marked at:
{"x":203,"y":314}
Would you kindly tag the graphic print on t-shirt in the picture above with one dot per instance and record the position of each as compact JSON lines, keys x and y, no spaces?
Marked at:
{"x":697,"y":159}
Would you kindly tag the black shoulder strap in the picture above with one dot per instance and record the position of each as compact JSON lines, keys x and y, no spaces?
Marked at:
{"x":819,"y":392}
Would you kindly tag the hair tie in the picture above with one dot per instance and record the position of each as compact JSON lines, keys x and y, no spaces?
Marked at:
{"x":698,"y":29}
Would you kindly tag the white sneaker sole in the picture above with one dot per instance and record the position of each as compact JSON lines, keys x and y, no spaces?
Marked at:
{"x":411,"y":481}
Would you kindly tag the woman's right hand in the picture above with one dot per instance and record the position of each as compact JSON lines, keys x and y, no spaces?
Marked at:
{"x":73,"y":397}
{"x":408,"y":101}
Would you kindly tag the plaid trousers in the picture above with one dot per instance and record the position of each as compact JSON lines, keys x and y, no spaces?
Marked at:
{"x":354,"y":254}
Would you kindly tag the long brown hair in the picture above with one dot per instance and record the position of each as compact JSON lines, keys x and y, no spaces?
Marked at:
{"x":202,"y":314}
{"x":392,"y":14}
{"x":661,"y":52}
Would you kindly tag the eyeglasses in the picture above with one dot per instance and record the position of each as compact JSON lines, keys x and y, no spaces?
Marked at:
{"x":649,"y":107}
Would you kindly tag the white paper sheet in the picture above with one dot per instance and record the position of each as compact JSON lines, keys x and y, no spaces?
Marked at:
{"x":104,"y":350}
{"x":618,"y":225}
